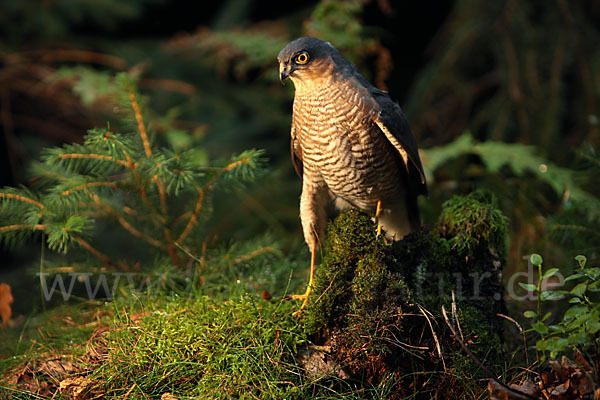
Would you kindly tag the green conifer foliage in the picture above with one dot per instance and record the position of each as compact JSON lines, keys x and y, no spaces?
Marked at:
{"x":158,"y":196}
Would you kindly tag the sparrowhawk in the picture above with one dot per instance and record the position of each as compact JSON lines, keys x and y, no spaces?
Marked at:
{"x":350,"y":143}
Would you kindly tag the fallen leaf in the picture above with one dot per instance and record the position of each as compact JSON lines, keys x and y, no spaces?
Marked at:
{"x":58,"y":367}
{"x":6,"y":299}
{"x":76,"y":388}
{"x":168,"y":396}
{"x":499,"y":392}
{"x":317,"y":361}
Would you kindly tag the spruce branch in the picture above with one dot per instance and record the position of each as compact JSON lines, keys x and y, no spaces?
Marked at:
{"x":93,"y":157}
{"x":135,"y":232}
{"x":22,"y":198}
{"x":140,"y":122}
{"x":121,"y":178}
{"x":87,"y":186}
{"x":9,"y":228}
{"x":101,"y":256}
{"x":194,"y":216}
{"x":202,"y":193}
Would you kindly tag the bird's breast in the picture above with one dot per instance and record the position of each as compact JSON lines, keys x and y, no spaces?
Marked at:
{"x":343,"y":147}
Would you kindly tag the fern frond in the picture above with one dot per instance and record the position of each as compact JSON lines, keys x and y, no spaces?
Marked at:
{"x":520,"y":159}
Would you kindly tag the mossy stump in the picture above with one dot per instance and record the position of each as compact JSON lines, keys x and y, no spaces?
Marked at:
{"x":375,"y":313}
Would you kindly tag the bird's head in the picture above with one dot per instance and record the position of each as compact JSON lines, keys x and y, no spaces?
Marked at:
{"x":306,"y":61}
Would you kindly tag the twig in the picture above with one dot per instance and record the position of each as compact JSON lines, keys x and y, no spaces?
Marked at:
{"x":522,"y":333}
{"x":437,"y":342}
{"x":85,"y":56}
{"x":455,"y":314}
{"x":138,"y":117}
{"x":102,"y":257}
{"x":480,"y":364}
{"x":138,"y":234}
{"x":22,"y":198}
{"x":88,"y":185}
{"x":129,"y":391}
{"x":142,"y":188}
{"x":266,"y":249}
{"x":94,"y":156}
{"x":202,"y":194}
{"x":187,"y":252}
{"x":194,"y":217}
{"x":167,"y":84}
{"x":9,"y":228}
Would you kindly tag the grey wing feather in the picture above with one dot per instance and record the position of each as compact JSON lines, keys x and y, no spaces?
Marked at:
{"x":393,"y":124}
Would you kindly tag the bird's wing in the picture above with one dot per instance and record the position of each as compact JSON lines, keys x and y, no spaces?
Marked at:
{"x":392,"y":122}
{"x":296,"y":153}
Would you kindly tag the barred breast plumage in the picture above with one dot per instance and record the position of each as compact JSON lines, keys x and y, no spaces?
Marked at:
{"x":343,"y":148}
{"x":350,"y":142}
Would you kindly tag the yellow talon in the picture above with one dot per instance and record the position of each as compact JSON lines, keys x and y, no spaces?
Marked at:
{"x":296,"y":314}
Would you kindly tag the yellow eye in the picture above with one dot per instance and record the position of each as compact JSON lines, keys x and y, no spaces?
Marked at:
{"x":302,"y":58}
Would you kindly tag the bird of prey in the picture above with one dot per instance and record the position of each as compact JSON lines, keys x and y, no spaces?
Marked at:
{"x":350,"y":143}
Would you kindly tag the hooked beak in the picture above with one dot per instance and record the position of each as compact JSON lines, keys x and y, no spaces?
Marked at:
{"x":284,"y":72}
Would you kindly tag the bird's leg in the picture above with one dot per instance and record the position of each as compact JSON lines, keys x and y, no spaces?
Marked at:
{"x":309,"y":287}
{"x":377,"y":212}
{"x":313,"y":256}
{"x":313,"y":217}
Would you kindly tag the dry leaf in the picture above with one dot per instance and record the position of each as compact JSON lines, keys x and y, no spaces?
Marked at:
{"x":499,"y":392}
{"x":168,"y":396}
{"x":57,"y":367}
{"x":75,"y":388}
{"x":266,"y":295}
{"x":317,"y":361}
{"x":6,"y":299}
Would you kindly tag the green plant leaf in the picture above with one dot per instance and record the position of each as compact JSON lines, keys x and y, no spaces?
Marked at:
{"x":556,"y":345}
{"x":528,"y":286}
{"x":574,"y":276}
{"x":536,"y":259}
{"x":541,"y":345}
{"x":574,"y":311}
{"x":530,"y":314}
{"x":540,"y":328}
{"x":581,"y":260}
{"x":593,"y":326}
{"x":579,"y":338}
{"x":553,"y":294}
{"x":548,"y":314}
{"x":549,"y":273}
{"x":580,"y":289}
{"x":594,"y":286}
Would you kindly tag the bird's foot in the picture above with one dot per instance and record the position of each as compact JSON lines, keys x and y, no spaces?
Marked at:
{"x":296,"y":297}
{"x":304,"y":297}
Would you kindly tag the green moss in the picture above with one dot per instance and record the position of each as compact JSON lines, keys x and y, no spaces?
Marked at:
{"x":204,"y":348}
{"x":350,"y":239}
{"x":369,"y":295}
{"x":469,"y":220}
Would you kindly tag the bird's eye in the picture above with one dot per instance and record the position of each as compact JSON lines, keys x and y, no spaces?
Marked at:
{"x":302,"y":58}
